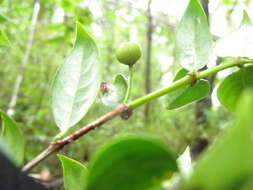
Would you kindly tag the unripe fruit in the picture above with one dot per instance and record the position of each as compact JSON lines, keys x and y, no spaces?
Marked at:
{"x":128,"y":53}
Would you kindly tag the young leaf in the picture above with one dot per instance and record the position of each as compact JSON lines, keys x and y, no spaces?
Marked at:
{"x":193,"y":38}
{"x":4,"y":41}
{"x":131,"y":163}
{"x":228,"y":164}
{"x":74,"y":173}
{"x":12,"y":138}
{"x":116,"y":92}
{"x":187,"y":94}
{"x":231,"y":88}
{"x":77,"y":82}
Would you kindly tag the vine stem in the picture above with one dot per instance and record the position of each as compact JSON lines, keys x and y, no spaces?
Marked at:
{"x":182,"y":82}
{"x":130,"y":84}
{"x":121,"y":109}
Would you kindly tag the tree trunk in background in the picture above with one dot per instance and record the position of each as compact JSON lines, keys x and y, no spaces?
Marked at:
{"x":9,"y":5}
{"x":199,"y":144}
{"x":25,"y":60}
{"x":110,"y":31}
{"x":206,"y":102}
{"x":110,"y":50}
{"x":148,"y":57}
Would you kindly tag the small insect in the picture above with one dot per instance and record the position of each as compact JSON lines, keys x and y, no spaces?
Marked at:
{"x":104,"y":87}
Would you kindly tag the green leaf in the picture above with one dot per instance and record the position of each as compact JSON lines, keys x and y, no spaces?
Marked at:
{"x":187,"y":94}
{"x":228,"y":164}
{"x":77,"y":82}
{"x":3,"y":18}
{"x":246,"y":21}
{"x":116,"y":93}
{"x":180,"y":74}
{"x":74,"y":173}
{"x":193,"y":38}
{"x":4,"y":41}
{"x":232,"y":87}
{"x":229,"y":2}
{"x":131,"y":163}
{"x":13,"y":138}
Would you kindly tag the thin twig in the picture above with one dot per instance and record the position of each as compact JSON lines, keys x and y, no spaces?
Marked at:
{"x":126,"y":110}
{"x":54,"y":147}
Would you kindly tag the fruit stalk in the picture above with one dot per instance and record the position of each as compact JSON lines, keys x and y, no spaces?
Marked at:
{"x":130,"y":84}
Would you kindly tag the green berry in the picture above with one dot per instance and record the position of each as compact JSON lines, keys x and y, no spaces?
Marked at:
{"x":128,"y":53}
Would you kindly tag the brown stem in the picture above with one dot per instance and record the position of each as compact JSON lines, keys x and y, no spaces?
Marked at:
{"x":126,"y":111}
{"x":54,"y":147}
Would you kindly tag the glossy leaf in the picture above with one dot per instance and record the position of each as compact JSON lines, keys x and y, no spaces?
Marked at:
{"x":4,"y":41}
{"x":13,"y":138}
{"x":193,"y":38}
{"x":77,"y":82}
{"x":116,"y":92}
{"x":228,"y":164}
{"x":187,"y":94}
{"x":74,"y":174}
{"x":232,"y":87}
{"x":130,"y":163}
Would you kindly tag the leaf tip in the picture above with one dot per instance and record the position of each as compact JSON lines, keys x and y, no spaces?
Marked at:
{"x":81,"y":32}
